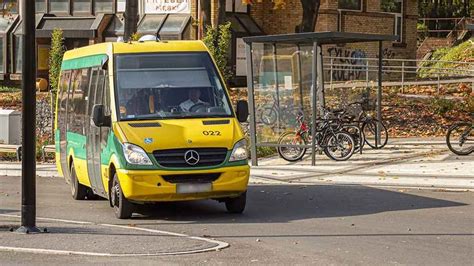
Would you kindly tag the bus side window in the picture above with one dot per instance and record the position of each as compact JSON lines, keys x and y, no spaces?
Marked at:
{"x":62,"y":100}
{"x":105,"y":86}
{"x":78,"y":108}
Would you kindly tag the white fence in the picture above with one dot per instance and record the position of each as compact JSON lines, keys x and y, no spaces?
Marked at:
{"x":346,"y":72}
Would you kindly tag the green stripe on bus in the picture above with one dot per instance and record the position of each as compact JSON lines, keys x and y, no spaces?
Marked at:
{"x":84,"y":62}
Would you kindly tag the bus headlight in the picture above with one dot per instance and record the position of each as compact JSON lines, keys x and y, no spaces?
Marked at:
{"x":239,"y":152}
{"x":135,"y":155}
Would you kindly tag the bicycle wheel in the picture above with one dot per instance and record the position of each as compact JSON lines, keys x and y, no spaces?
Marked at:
{"x":268,"y":116}
{"x":339,"y":146}
{"x":460,"y":138}
{"x":369,"y":130}
{"x":356,"y":134}
{"x":289,"y":115}
{"x":291,"y":154}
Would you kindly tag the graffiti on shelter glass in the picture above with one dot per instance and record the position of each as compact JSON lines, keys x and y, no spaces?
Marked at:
{"x":351,"y":64}
{"x":348,"y":64}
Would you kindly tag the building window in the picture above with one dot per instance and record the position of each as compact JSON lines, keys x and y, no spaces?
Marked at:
{"x":40,"y":6}
{"x":396,"y":8}
{"x":2,"y":67}
{"x":60,"y":6}
{"x":391,"y":6}
{"x":350,"y":4}
{"x":18,"y":57}
{"x":10,"y":5}
{"x":81,"y":6}
{"x":103,"y":6}
{"x":121,"y":5}
{"x":235,"y":6}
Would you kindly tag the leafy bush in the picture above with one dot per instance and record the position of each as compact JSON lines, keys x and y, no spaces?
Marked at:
{"x":441,"y":106}
{"x":218,"y":42}
{"x":266,"y":151}
{"x":9,"y":89}
{"x":469,"y":104}
{"x":55,"y":60}
{"x":464,"y":52}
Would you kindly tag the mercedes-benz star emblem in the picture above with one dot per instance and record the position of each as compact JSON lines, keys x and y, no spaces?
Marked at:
{"x":191,"y":157}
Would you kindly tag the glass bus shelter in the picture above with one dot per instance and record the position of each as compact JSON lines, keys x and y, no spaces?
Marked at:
{"x":285,"y":77}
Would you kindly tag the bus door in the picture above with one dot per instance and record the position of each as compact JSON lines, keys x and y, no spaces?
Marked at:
{"x":93,"y":133}
{"x":62,"y":122}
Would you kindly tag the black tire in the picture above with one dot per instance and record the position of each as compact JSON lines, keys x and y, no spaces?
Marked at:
{"x":123,"y":208}
{"x":282,"y":151}
{"x":236,"y":205}
{"x":369,"y":129}
{"x":357,"y":135}
{"x":339,"y":142}
{"x":78,"y":190}
{"x":268,"y":116}
{"x":460,"y":138}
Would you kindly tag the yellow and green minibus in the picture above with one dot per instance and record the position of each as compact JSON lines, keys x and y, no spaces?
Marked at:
{"x":149,"y":121}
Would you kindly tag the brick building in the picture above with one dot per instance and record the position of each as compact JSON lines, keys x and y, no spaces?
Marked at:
{"x":398,"y":17}
{"x":91,"y":21}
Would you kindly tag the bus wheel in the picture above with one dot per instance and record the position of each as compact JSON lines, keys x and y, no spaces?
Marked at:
{"x":123,"y":209}
{"x":236,"y":205}
{"x":78,"y":191}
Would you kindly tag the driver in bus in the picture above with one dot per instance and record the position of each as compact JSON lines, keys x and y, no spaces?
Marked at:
{"x":193,"y":95}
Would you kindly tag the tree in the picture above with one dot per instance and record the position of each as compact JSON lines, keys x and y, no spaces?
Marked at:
{"x":218,"y":42}
{"x":55,"y":60}
{"x":310,"y":13}
{"x":131,"y":19}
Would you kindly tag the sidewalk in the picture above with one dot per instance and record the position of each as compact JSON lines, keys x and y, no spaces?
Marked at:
{"x":402,"y":163}
{"x":405,"y":162}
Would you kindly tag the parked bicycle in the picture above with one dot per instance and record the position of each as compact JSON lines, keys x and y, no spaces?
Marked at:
{"x":460,"y":138}
{"x":335,"y":143}
{"x":367,"y":124}
{"x":269,"y":114}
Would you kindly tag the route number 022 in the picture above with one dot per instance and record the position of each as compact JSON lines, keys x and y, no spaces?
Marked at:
{"x":211,"y":133}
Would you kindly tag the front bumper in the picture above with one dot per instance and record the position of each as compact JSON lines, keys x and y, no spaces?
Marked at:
{"x":149,"y":186}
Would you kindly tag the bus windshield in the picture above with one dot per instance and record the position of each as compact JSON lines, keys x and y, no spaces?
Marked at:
{"x":169,"y":86}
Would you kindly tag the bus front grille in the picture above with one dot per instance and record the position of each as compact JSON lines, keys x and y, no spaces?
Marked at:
{"x":175,"y":158}
{"x":192,"y":178}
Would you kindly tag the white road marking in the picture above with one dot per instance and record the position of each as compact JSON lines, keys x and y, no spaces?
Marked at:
{"x":219,"y":244}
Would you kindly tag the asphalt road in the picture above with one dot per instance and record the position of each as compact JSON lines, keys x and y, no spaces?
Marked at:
{"x":283,"y":224}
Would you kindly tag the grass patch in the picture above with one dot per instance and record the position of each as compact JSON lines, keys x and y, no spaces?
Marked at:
{"x":9,"y":89}
{"x":464,"y":52}
{"x":265,"y":151}
{"x":441,"y":106}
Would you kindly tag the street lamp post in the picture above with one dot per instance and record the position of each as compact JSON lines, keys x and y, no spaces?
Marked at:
{"x":28,"y":84}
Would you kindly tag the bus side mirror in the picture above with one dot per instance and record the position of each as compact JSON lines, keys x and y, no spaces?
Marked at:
{"x":242,"y":111}
{"x":98,"y":116}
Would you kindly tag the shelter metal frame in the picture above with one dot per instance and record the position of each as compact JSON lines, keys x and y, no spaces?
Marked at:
{"x":316,"y":39}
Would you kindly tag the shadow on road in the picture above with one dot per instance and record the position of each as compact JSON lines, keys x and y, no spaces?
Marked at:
{"x":284,"y":203}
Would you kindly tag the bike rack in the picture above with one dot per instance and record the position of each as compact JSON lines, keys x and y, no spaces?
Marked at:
{"x":255,"y":48}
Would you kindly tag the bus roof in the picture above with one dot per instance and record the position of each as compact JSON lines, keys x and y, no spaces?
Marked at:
{"x":135,"y":47}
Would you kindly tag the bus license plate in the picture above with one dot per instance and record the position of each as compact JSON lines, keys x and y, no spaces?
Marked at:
{"x":193,"y":188}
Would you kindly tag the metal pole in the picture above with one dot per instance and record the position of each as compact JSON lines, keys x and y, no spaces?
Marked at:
{"x":320,"y":69}
{"x":379,"y":95}
{"x":28,"y":84}
{"x":300,"y":76}
{"x":367,"y":73}
{"x":439,"y":84}
{"x":314,"y":100}
{"x":331,"y":72}
{"x":251,"y":98}
{"x":275,"y":70}
{"x":403,"y":76}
